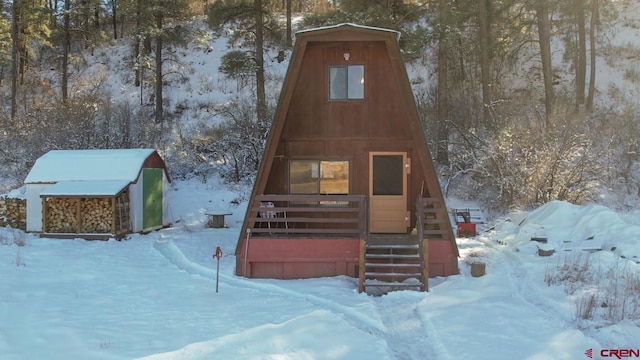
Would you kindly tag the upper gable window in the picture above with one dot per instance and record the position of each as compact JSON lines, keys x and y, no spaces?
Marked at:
{"x":346,"y":82}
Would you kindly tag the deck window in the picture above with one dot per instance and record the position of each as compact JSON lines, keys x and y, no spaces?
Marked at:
{"x":346,"y":82}
{"x":311,"y":177}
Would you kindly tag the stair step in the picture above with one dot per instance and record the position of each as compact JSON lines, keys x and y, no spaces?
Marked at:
{"x":393,"y":247}
{"x":392,"y":256}
{"x":393,"y":265}
{"x":391,"y":274}
{"x":393,"y":284}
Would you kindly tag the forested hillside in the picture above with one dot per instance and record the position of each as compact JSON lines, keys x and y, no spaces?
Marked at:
{"x":523,"y":101}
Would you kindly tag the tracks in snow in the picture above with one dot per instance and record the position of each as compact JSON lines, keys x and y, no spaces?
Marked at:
{"x":408,"y":333}
{"x":520,"y":281}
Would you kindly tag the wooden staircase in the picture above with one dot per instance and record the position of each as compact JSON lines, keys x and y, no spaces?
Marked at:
{"x":401,"y":261}
{"x":392,"y":263}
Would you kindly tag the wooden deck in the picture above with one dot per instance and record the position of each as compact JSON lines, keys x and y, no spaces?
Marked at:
{"x":301,"y":236}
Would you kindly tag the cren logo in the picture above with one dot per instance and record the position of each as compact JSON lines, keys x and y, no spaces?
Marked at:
{"x":589,"y":353}
{"x":619,"y":353}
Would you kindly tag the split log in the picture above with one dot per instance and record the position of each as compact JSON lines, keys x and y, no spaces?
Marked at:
{"x":13,"y":212}
{"x":62,"y":215}
{"x":96,"y":215}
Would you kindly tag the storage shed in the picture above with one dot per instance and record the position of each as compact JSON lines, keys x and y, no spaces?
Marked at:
{"x":346,"y":185}
{"x":97,"y":194}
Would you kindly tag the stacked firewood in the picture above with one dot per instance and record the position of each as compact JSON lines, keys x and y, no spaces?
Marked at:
{"x":96,"y":215}
{"x":62,"y":215}
{"x":13,"y":212}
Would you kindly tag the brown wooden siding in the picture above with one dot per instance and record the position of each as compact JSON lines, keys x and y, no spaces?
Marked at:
{"x":313,"y":116}
{"x":317,"y":128}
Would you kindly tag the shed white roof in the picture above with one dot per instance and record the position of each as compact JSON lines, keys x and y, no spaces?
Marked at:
{"x":86,"y":188}
{"x":88,"y":165}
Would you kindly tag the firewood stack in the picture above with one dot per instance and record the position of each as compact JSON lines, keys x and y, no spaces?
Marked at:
{"x":62,"y":215}
{"x":13,"y":212}
{"x":97,"y":215}
{"x":87,"y":215}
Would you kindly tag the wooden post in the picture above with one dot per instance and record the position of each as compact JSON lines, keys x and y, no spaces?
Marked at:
{"x":113,"y":216}
{"x":78,"y":216}
{"x":217,"y":255}
{"x":425,"y":264}
{"x":361,"y":265}
{"x":44,"y":215}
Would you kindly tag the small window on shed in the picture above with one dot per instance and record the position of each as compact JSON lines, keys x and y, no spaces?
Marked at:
{"x":346,"y":82}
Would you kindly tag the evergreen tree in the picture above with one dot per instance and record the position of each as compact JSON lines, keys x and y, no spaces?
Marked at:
{"x":252,"y":26}
{"x":28,"y":30}
{"x":544,"y":39}
{"x":5,"y":39}
{"x":158,"y":25}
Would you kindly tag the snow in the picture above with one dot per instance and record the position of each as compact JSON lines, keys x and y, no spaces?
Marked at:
{"x":153,"y":296}
{"x":86,"y":188}
{"x":352,"y":25}
{"x":75,"y":165}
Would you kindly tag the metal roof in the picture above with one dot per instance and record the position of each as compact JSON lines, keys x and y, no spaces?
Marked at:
{"x":352,"y":25}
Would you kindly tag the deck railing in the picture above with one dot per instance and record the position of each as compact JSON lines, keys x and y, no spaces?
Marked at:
{"x":303,"y":215}
{"x":424,"y":218}
{"x":428,"y":223}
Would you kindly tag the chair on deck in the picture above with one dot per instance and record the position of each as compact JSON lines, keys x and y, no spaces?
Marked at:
{"x":271,"y":214}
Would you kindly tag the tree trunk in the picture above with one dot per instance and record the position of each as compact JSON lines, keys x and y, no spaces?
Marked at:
{"x":15,"y":56}
{"x":544,"y":37}
{"x":592,"y":54}
{"x":159,"y":109}
{"x":24,"y":61}
{"x":66,"y":44}
{"x":442,"y":147}
{"x":581,"y":66}
{"x":289,"y":40}
{"x":137,"y":46}
{"x":114,"y":18}
{"x":260,"y":91}
{"x":485,"y":62}
{"x":53,"y":10}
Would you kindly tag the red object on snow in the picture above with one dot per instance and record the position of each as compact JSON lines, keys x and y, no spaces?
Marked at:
{"x":466,"y":230}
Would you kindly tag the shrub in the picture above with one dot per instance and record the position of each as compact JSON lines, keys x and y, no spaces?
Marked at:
{"x":611,"y":294}
{"x":232,"y":148}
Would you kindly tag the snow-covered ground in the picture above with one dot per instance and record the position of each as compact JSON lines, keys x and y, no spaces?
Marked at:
{"x":154,"y":296}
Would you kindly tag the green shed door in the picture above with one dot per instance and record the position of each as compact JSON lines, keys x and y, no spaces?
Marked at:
{"x":151,"y":198}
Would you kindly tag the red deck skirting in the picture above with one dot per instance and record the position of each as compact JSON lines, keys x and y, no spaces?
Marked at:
{"x":285,"y":258}
{"x":296,"y":258}
{"x":442,"y":259}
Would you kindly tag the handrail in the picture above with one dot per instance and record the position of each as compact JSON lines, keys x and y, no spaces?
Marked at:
{"x":420,"y":217}
{"x":331,"y":215}
{"x":428,"y":222}
{"x":421,"y":222}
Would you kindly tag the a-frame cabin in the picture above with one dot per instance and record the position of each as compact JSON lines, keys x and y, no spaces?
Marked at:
{"x":346,"y":185}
